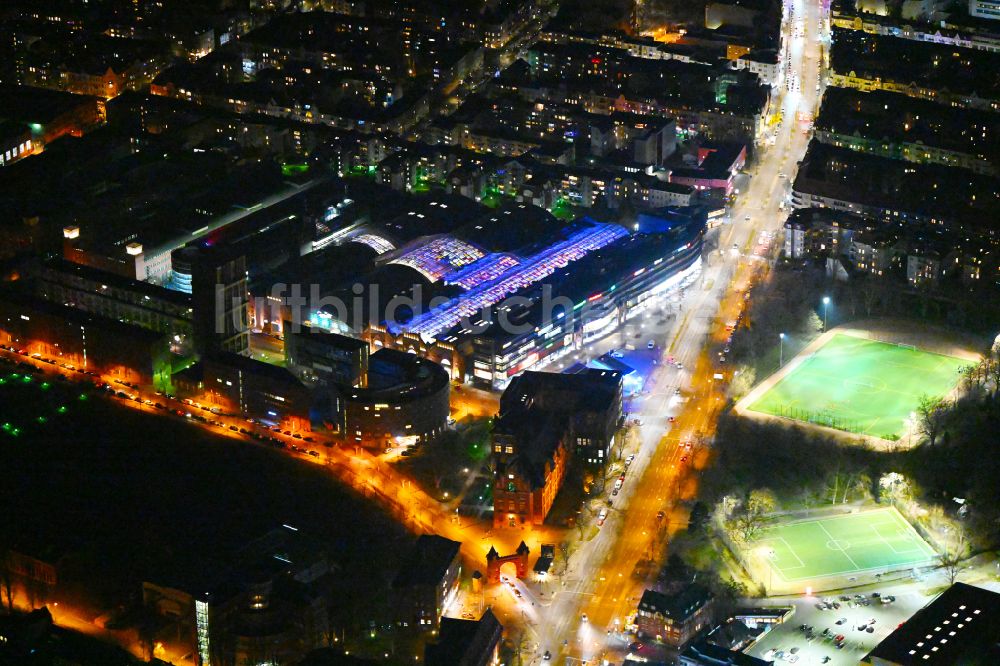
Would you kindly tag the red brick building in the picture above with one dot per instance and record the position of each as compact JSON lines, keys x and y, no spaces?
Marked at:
{"x":675,"y":619}
{"x":545,"y":420}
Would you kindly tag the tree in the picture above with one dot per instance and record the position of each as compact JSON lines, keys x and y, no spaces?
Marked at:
{"x":950,"y":561}
{"x":932,"y":413}
{"x":564,"y":550}
{"x":698,"y":518}
{"x":896,"y":487}
{"x":761,"y":501}
{"x":625,"y":435}
{"x":746,"y":526}
{"x":750,"y":517}
{"x":871,"y":294}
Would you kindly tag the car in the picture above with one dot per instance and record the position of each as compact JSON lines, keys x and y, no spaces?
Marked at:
{"x":792,"y":658}
{"x":628,"y":461}
{"x":614,"y":492}
{"x":660,"y":515}
{"x":583,"y":617}
{"x":650,"y":345}
{"x":234,"y":428}
{"x":517,"y":593}
{"x":314,"y":454}
{"x":870,"y":630}
{"x":671,"y":419}
{"x":618,"y":484}
{"x":684,"y":458}
{"x":622,"y":477}
{"x":297,"y":436}
{"x":680,"y":366}
{"x":747,"y":217}
{"x":616,"y":354}
{"x":406,"y":453}
{"x":601,"y":517}
{"x":677,"y":391}
{"x":839,"y":646}
{"x":547,"y":656}
{"x":839,"y":638}
{"x":308,"y":439}
{"x":841,"y":620}
{"x":826,"y":659}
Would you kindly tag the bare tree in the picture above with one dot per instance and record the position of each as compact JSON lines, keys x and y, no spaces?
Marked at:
{"x":564,"y":550}
{"x":750,"y":518}
{"x":950,"y":561}
{"x":932,"y":413}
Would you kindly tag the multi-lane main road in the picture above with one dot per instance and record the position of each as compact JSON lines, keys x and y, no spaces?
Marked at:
{"x":586,"y":616}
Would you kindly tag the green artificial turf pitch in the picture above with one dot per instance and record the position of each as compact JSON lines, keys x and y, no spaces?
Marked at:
{"x":852,"y":543}
{"x":861,"y":386}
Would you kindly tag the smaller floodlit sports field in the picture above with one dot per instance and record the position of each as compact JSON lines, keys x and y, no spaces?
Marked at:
{"x":860,"y":385}
{"x":845,"y":545}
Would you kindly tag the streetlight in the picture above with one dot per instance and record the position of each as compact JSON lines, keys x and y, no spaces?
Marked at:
{"x":781,"y":349}
{"x":826,"y":308}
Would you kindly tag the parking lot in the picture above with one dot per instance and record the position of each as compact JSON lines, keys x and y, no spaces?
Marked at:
{"x":812,"y":647}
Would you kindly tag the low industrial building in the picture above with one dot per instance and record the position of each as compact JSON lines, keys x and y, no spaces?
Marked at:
{"x":961,"y":626}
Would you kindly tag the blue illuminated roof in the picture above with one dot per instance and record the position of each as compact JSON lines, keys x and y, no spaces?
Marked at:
{"x":507,"y":280}
{"x":439,"y":257}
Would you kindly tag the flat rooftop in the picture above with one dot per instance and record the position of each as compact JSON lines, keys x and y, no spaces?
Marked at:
{"x":962,"y":626}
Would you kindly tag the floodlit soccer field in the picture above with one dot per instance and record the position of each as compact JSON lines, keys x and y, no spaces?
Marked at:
{"x":861,"y":386}
{"x":872,"y":541}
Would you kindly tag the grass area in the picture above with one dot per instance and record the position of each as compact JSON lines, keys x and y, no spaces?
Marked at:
{"x":132,"y":496}
{"x":843,"y":545}
{"x":862,"y":386}
{"x":444,"y":465}
{"x":294,"y":169}
{"x":562,"y":209}
{"x":42,"y":403}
